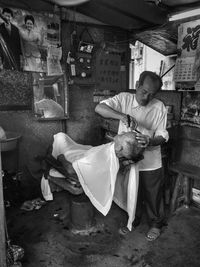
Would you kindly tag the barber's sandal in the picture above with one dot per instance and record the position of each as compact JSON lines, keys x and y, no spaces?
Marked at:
{"x":124,"y":230}
{"x":153,"y":234}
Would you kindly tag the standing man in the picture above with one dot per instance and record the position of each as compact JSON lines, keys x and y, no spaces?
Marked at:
{"x":11,"y":37}
{"x":151,"y":117}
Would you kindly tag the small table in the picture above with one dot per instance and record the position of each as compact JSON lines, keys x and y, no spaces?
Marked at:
{"x":185,"y":173}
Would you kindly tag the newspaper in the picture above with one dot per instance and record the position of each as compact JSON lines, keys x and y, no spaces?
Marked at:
{"x":54,"y":55}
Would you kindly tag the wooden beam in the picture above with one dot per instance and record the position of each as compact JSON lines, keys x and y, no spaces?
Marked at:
{"x":2,"y":221}
{"x":110,"y":16}
{"x":178,"y":2}
{"x":72,"y":15}
{"x":137,"y":9}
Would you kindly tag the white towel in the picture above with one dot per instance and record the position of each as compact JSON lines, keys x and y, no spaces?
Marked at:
{"x":46,"y":190}
{"x":98,"y":172}
{"x":126,"y":190}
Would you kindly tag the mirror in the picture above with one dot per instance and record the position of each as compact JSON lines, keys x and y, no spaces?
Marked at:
{"x":50,"y":96}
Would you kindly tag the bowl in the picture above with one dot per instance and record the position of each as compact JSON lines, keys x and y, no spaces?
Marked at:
{"x":10,"y":142}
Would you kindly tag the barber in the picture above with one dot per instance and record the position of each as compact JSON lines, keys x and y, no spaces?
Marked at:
{"x":150,"y":116}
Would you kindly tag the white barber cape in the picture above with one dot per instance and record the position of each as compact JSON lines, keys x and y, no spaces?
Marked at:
{"x":98,"y":171}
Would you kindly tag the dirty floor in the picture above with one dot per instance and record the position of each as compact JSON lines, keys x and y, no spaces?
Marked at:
{"x":48,"y":241}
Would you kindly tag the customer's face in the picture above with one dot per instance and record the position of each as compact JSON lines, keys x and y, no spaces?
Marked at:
{"x":29,"y":25}
{"x":146,"y":92}
{"x":8,"y":16}
{"x":126,"y":146}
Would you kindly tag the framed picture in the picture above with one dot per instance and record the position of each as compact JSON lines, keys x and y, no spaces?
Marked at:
{"x":26,"y":38}
{"x":190,"y":110}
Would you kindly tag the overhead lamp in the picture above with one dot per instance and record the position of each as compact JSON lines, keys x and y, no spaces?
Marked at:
{"x":68,"y":2}
{"x":184,"y":14}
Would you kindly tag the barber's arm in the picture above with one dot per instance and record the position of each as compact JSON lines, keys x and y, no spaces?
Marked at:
{"x":161,"y":134}
{"x":108,"y":112}
{"x":145,"y":140}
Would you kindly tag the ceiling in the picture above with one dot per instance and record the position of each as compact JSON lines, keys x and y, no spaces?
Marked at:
{"x":145,"y":20}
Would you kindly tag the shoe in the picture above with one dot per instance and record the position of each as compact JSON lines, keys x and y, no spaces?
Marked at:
{"x":153,"y":234}
{"x":123,"y":230}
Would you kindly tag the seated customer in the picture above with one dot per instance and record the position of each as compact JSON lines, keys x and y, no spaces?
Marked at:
{"x":127,"y":150}
{"x":102,"y":170}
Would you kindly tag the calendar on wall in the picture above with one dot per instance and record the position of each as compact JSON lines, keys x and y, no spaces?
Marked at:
{"x":188,"y":46}
{"x":184,"y":70}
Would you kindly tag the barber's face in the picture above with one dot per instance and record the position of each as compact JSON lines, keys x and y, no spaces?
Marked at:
{"x":8,"y":16}
{"x":146,"y":92}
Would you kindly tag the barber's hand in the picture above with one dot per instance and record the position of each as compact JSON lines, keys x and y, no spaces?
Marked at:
{"x":143,"y":140}
{"x":129,"y":121}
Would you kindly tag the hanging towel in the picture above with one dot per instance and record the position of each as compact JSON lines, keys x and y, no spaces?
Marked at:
{"x":126,"y":190}
{"x":46,"y":190}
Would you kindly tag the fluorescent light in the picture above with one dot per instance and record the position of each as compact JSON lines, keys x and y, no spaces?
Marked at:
{"x":184,"y":14}
{"x":68,"y":2}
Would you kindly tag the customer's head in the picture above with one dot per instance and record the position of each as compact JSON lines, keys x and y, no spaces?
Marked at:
{"x":127,"y":147}
{"x":8,"y":14}
{"x":29,"y":22}
{"x":148,"y":85}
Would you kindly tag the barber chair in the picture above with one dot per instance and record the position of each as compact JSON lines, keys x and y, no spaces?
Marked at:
{"x":81,"y":210}
{"x":58,"y":176}
{"x":58,"y":182}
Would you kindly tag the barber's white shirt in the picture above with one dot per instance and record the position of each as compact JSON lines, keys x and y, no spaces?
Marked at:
{"x":152,"y":120}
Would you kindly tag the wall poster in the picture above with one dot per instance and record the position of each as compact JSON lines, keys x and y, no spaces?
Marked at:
{"x":26,"y":38}
{"x":186,"y":64}
{"x":190,"y":111}
{"x":108,"y":71}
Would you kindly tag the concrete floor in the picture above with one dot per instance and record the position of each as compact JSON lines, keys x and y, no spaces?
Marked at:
{"x":48,"y":241}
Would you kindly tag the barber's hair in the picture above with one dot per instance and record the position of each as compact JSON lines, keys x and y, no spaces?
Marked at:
{"x":153,"y":76}
{"x":48,"y":92}
{"x":7,"y":10}
{"x":29,"y":17}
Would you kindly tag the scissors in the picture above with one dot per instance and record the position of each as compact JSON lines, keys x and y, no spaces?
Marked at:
{"x":135,"y":125}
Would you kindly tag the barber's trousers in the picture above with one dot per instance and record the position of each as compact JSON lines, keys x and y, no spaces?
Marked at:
{"x":150,"y":197}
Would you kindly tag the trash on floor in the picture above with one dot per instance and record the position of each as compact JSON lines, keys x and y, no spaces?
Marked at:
{"x":34,"y":204}
{"x":14,"y":255}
